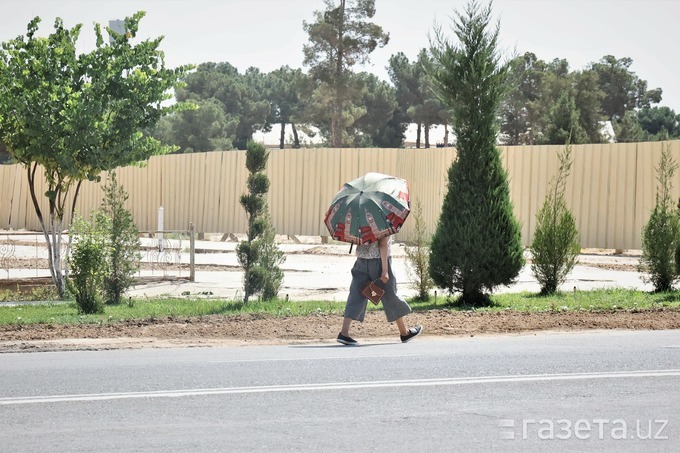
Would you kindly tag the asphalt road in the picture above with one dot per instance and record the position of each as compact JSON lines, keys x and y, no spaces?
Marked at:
{"x":596,"y":391}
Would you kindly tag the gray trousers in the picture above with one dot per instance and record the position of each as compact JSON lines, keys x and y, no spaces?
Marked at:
{"x":363,"y":271}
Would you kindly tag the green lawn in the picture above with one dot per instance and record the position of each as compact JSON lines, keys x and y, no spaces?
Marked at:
{"x":67,"y":313}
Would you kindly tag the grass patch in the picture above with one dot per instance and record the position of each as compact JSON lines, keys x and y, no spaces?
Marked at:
{"x":595,"y":300}
{"x":163,"y":308}
{"x":140,"y":309}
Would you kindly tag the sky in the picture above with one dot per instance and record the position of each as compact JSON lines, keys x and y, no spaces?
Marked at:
{"x":268,"y":33}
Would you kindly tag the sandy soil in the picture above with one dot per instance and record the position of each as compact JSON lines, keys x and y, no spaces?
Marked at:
{"x":219,"y":330}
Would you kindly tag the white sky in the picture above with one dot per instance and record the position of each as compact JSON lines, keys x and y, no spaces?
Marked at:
{"x":268,"y":33}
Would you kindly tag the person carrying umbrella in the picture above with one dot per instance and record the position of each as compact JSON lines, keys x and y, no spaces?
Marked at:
{"x":366,"y":212}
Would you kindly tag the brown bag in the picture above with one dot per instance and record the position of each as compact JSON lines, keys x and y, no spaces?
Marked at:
{"x":372,"y":292}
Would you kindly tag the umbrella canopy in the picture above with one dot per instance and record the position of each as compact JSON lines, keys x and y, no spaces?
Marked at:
{"x":368,"y":209}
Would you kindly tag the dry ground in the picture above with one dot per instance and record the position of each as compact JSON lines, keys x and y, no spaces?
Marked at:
{"x":217,"y":330}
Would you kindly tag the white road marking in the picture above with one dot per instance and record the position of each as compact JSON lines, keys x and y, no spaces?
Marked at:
{"x":338,"y":386}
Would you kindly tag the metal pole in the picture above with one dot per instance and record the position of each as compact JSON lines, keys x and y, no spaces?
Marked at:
{"x":159,"y":234}
{"x":192,"y":253}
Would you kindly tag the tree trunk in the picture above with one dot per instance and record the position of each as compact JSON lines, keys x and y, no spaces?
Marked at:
{"x":427,"y":136}
{"x":282,"y":138}
{"x":53,"y":260}
{"x":56,"y":224}
{"x":418,"y":130}
{"x":446,"y":134}
{"x":336,"y":132}
{"x":336,"y":112}
{"x":296,"y":139}
{"x":70,"y":224}
{"x":53,"y":232}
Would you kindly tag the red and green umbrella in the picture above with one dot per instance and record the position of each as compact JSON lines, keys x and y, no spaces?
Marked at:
{"x":368,"y":209}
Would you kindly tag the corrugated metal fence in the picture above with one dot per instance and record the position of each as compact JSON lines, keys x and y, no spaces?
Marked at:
{"x":611,"y":190}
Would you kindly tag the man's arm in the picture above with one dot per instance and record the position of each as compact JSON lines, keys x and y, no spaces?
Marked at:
{"x":383,"y":245}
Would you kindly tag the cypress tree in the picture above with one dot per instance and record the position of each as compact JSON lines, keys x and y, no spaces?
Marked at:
{"x":477,"y":244}
{"x":254,"y":203}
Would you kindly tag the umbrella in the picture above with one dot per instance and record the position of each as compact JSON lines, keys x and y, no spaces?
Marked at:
{"x":368,"y":209}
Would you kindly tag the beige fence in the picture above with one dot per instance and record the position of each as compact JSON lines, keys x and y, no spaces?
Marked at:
{"x":611,"y":190}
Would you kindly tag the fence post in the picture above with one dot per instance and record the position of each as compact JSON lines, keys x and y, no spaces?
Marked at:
{"x":159,"y":234}
{"x":192,"y":253}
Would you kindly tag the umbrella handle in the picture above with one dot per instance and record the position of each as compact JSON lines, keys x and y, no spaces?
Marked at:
{"x":350,"y":248}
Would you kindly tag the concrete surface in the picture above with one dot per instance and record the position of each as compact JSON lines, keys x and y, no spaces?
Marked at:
{"x":312,"y":270}
{"x":315,"y":271}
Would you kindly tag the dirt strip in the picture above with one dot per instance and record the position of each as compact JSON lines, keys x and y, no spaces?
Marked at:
{"x":216,"y":330}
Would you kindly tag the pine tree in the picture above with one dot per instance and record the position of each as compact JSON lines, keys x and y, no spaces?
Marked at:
{"x":477,"y":245}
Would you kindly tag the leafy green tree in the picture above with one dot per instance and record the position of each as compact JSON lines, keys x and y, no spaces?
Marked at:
{"x":546,"y":98}
{"x":520,"y":118}
{"x":555,"y":246}
{"x":415,"y":95}
{"x":557,"y":82}
{"x":123,"y":258}
{"x":375,"y":127}
{"x":88,"y":262}
{"x":319,"y":114}
{"x":405,"y":77}
{"x":254,"y":107}
{"x":241,"y":96}
{"x":660,"y":239}
{"x":428,"y":110}
{"x":393,"y":133}
{"x":628,"y":128}
{"x":340,"y":37}
{"x":74,"y":116}
{"x":564,"y":122}
{"x":254,"y":203}
{"x":660,"y":123}
{"x":207,"y":128}
{"x":477,"y":245}
{"x":623,"y":89}
{"x":5,"y":156}
{"x":283,"y":92}
{"x":426,"y":115}
{"x":588,"y":101}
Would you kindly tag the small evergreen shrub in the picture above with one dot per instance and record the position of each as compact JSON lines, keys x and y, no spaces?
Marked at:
{"x":418,"y":256}
{"x":659,"y":261}
{"x":270,"y":259}
{"x":123,"y":236}
{"x":555,"y":246}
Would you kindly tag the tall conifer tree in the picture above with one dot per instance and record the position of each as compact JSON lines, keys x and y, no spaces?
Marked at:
{"x":477,"y":245}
